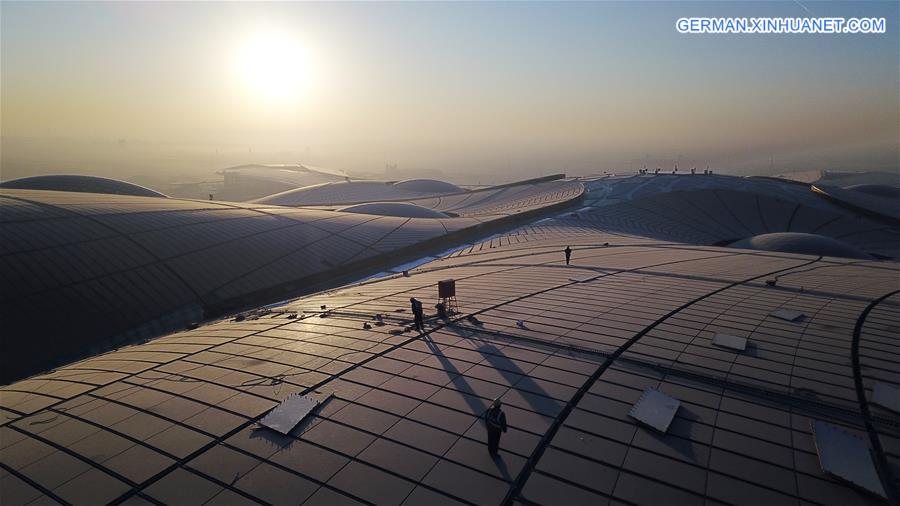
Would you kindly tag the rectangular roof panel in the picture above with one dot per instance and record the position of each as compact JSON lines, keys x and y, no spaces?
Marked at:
{"x":846,"y":456}
{"x":787,"y":314}
{"x":285,"y":416}
{"x":655,"y":409}
{"x":729,"y":341}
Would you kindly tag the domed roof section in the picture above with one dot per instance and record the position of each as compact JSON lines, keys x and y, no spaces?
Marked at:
{"x":401,"y":209}
{"x":329,"y":193}
{"x":795,"y":242}
{"x":80,"y":184}
{"x":879,"y":190}
{"x":428,"y":186}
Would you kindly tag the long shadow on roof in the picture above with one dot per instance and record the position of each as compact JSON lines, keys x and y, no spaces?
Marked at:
{"x":537,"y":398}
{"x":476,"y":404}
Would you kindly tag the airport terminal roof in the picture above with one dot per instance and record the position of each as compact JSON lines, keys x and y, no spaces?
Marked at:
{"x":779,"y":370}
{"x":569,"y":350}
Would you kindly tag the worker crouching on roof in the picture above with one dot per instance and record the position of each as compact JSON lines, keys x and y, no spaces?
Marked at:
{"x":495,"y":419}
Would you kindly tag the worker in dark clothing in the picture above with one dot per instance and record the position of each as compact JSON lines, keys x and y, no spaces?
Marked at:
{"x":417,"y":313}
{"x":495,"y":419}
{"x":568,"y":254}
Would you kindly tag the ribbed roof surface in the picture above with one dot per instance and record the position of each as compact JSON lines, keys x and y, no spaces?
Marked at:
{"x":874,"y":205}
{"x":115,"y":268}
{"x":722,"y":209}
{"x":175,"y":418}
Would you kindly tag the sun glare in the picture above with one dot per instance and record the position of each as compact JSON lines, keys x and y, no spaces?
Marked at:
{"x":273,"y":66}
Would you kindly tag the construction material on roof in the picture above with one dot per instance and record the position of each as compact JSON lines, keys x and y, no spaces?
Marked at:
{"x":285,"y":416}
{"x":886,"y":396}
{"x":729,"y":341}
{"x":584,"y":279}
{"x":846,"y":456}
{"x":655,"y":409}
{"x":787,"y":314}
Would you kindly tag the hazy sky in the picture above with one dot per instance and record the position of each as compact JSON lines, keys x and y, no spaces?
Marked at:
{"x":468,"y":87}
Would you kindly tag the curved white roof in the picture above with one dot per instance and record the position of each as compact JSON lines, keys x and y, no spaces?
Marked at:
{"x":427,"y":186}
{"x":394,"y":209}
{"x":349,"y":192}
{"x":797,"y":242}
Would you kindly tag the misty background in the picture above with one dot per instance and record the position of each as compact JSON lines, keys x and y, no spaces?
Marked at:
{"x":154,"y":93}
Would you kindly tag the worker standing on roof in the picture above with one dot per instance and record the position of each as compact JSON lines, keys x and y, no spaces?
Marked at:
{"x":495,"y":419}
{"x":568,"y":251}
{"x":417,"y":313}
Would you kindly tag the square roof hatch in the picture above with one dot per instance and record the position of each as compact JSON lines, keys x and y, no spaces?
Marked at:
{"x":729,"y":341}
{"x":285,"y":416}
{"x":846,"y":456}
{"x":787,"y":314}
{"x":886,"y":396}
{"x":655,"y":409}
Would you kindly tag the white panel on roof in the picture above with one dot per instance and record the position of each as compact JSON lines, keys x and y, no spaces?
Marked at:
{"x":787,"y":314}
{"x":729,"y":341}
{"x":584,"y":279}
{"x":285,"y":416}
{"x":655,"y":409}
{"x":846,"y":456}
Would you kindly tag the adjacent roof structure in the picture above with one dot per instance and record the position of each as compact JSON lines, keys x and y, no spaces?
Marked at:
{"x":82,"y":184}
{"x":879,"y":190}
{"x":353,"y":192}
{"x":700,"y":209}
{"x":796,"y":242}
{"x":394,"y":209}
{"x":428,"y":186}
{"x":246,"y":182}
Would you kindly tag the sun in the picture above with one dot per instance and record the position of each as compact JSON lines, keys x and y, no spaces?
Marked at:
{"x":273,"y":66}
